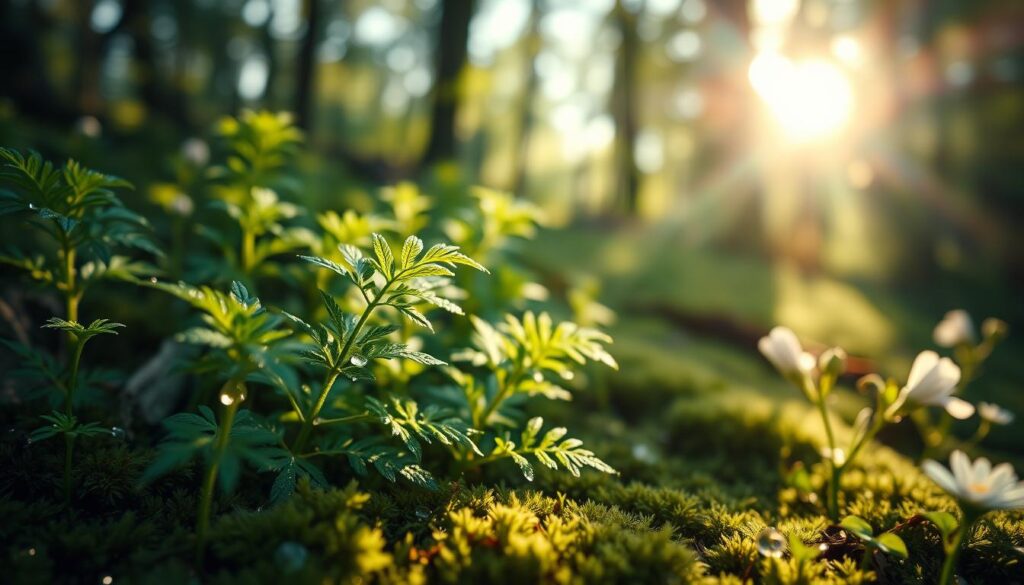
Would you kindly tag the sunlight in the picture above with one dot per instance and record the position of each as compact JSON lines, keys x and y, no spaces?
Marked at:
{"x":810,"y":99}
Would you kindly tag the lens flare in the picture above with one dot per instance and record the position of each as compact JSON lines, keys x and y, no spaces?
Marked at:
{"x":810,"y":99}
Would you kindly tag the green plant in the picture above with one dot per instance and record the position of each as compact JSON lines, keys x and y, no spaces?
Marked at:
{"x":345,"y":345}
{"x":886,"y":543}
{"x":82,"y":219}
{"x":246,"y":186}
{"x":521,"y":357}
{"x":978,"y":488}
{"x":244,"y":343}
{"x":83,"y":223}
{"x":957,"y":332}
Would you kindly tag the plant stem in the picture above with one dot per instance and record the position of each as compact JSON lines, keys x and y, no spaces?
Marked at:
{"x":865,"y":561}
{"x":954,"y":549}
{"x":307,"y":425}
{"x":332,"y":375}
{"x":510,"y":383}
{"x":76,"y":358}
{"x":69,"y":447}
{"x":210,"y":479}
{"x":69,"y":398}
{"x":69,"y":275}
{"x":345,"y":419}
{"x":836,"y":474}
{"x":248,"y":250}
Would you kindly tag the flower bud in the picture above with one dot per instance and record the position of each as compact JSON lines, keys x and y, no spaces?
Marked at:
{"x":994,"y":330}
{"x":956,"y":328}
{"x":832,"y":362}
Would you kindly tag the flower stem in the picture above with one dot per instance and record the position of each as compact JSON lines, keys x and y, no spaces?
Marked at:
{"x":952,"y":554}
{"x":836,"y":470}
{"x":210,"y":479}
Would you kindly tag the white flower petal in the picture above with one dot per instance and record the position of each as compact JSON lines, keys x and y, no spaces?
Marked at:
{"x":806,"y":363}
{"x":949,"y":372}
{"x":923,"y":363}
{"x":1002,"y":477}
{"x":961,"y":466}
{"x":980,"y":470}
{"x":958,"y":408}
{"x":941,"y":476}
{"x":955,"y":328}
{"x":767,"y":349}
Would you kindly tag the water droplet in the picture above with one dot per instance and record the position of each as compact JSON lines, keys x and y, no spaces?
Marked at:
{"x":644,"y":454}
{"x":31,"y":552}
{"x":118,"y":433}
{"x":107,"y":580}
{"x":771,"y":543}
{"x":291,"y":556}
{"x":358,"y":360}
{"x":227,"y":399}
{"x":538,"y":377}
{"x":153,"y":279}
{"x":422,"y":512}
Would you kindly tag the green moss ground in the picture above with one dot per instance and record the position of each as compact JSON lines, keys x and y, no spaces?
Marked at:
{"x":702,"y":432}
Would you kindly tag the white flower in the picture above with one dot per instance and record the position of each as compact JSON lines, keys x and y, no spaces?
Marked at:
{"x":932,"y":383}
{"x":978,"y":484}
{"x":954,"y":329}
{"x":994,"y":413}
{"x":783,"y":350}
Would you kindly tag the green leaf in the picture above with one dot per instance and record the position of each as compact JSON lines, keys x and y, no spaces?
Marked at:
{"x":420,"y":477}
{"x":416,"y":317}
{"x":890,"y":543}
{"x":858,"y":526}
{"x":946,"y":523}
{"x":325,"y":263}
{"x":802,"y":552}
{"x":385,"y":258}
{"x":410,"y":250}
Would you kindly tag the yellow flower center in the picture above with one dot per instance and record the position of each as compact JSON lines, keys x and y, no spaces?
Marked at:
{"x":978,"y":488}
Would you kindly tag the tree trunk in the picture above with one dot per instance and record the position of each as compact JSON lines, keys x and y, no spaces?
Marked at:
{"x":451,"y":58}
{"x":623,"y":106}
{"x":305,"y":71}
{"x":86,"y":85}
{"x":526,"y":117}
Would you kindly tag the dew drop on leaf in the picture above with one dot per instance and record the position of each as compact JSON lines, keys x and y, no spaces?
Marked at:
{"x":771,"y":543}
{"x":117,"y":432}
{"x":152,"y":279}
{"x":358,"y":360}
{"x":227,"y":399}
{"x":291,"y":556}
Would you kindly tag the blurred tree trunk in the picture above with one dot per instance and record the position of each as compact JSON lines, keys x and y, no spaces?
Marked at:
{"x":450,"y":60}
{"x":158,"y":95}
{"x":526,"y":117}
{"x":623,"y":107}
{"x":305,"y":77}
{"x":86,"y":85}
{"x":270,"y":97}
{"x":23,"y":65}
